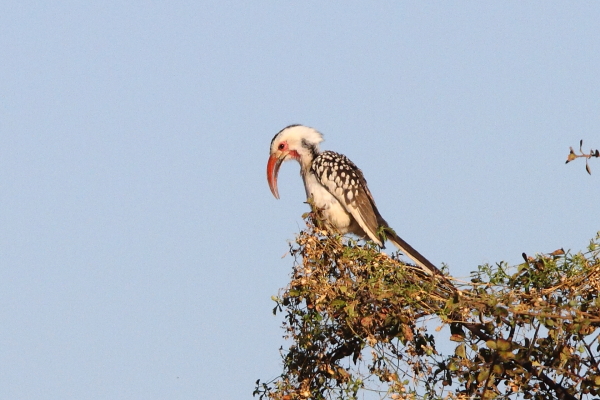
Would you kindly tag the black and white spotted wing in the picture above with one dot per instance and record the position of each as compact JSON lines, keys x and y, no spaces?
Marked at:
{"x":345,"y":181}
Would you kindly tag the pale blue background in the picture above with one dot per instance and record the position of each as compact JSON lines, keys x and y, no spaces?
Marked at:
{"x":139,"y":242}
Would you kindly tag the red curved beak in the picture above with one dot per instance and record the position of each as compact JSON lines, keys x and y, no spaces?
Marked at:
{"x":272,"y":171}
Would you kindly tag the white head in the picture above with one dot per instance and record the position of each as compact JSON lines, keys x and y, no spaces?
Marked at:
{"x":295,"y":142}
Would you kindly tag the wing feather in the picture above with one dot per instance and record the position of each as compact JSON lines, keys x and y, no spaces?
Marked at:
{"x":345,"y":181}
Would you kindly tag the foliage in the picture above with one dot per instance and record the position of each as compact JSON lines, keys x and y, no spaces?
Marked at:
{"x":360,"y":323}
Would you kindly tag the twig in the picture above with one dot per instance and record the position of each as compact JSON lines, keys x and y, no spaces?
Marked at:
{"x":572,"y":156}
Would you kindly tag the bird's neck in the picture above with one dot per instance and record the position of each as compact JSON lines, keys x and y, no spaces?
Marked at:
{"x":307,"y":155}
{"x":305,"y":164}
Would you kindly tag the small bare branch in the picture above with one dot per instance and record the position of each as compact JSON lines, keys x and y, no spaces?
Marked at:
{"x":572,"y":156}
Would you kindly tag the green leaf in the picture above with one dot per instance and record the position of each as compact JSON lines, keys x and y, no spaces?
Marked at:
{"x":338,"y":303}
{"x":461,"y":351}
{"x":503,"y":344}
{"x":506,"y":355}
{"x":483,"y":375}
{"x":498,"y":369}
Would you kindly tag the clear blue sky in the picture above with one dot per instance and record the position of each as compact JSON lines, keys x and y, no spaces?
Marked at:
{"x":139,"y":242}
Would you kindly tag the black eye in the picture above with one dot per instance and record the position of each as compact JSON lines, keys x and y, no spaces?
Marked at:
{"x":281,"y":146}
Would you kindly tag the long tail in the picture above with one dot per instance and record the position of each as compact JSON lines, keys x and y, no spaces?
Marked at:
{"x":428,"y":268}
{"x":414,"y":255}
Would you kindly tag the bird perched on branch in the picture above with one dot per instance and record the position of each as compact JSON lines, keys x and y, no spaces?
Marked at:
{"x":337,"y":187}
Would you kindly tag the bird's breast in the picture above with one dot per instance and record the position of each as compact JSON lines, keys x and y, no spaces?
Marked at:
{"x":333,"y":211}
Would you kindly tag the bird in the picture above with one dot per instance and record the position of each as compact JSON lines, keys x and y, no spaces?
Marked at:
{"x":338,"y":188}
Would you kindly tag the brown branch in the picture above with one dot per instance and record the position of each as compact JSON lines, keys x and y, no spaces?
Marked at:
{"x":572,"y":156}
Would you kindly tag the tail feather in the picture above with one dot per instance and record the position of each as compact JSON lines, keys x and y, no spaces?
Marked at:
{"x":414,"y":255}
{"x":444,"y":284}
